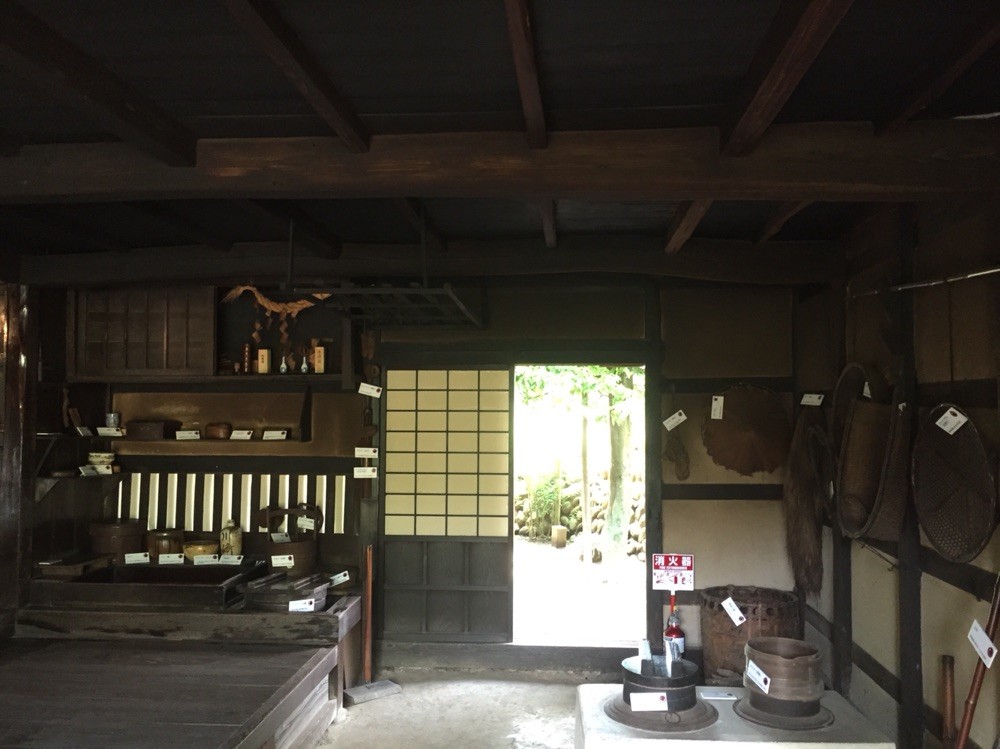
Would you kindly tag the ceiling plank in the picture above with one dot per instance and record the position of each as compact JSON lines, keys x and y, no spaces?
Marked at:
{"x":781,"y":216}
{"x":928,"y":160}
{"x":972,"y":43}
{"x":264,"y":24}
{"x":548,"y":210}
{"x":187,"y":226}
{"x":416,"y":216}
{"x":34,"y":52}
{"x":47,"y":221}
{"x":307,"y":229}
{"x":781,"y":263}
{"x":689,"y":214}
{"x":522,"y":46}
{"x":796,"y":36}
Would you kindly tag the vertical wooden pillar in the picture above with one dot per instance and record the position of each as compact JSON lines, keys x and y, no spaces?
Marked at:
{"x":654,"y":460}
{"x":17,"y":456}
{"x":911,"y":678}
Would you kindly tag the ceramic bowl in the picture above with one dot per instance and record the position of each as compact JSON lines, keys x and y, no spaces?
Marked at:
{"x":197,"y":548}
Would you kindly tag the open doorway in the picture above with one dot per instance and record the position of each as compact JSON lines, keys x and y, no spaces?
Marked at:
{"x":579,"y":505}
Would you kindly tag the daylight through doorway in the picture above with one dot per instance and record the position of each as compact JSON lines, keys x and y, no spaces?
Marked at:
{"x":579,"y":505}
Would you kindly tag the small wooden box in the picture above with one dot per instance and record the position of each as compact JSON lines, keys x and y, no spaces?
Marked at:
{"x":263,"y":361}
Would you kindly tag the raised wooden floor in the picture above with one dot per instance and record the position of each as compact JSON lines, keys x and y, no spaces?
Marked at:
{"x":57,"y":694}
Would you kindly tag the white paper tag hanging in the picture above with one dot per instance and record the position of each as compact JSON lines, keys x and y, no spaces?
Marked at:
{"x":282,"y":560}
{"x":951,"y":420}
{"x":734,"y":611}
{"x":812,"y":399}
{"x":365,"y":472}
{"x":758,"y":677}
{"x":366,"y":452}
{"x":140,"y":557}
{"x":982,"y":644}
{"x":867,"y":391}
{"x":674,"y":421}
{"x":718,"y":402}
{"x":303,"y":604}
{"x":233,"y":559}
{"x":206,"y":559}
{"x":280,"y":538}
{"x":372,"y":391}
{"x":171,"y":559}
{"x":340,"y":578}
{"x":305,"y":524}
{"x":646,"y":702}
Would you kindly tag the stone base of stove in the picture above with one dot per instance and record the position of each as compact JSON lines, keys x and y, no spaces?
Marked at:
{"x":595,"y":730}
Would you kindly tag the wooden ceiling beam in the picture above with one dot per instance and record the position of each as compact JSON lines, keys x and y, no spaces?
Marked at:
{"x":522,"y":45}
{"x":190,"y":228}
{"x":799,"y":31}
{"x":686,"y":219}
{"x":965,"y":49}
{"x":827,"y":161}
{"x":48,"y":221}
{"x":780,"y":263}
{"x":781,"y":216}
{"x":548,"y":211}
{"x":415,"y":215}
{"x":307,"y":229}
{"x":34,"y":52}
{"x":264,"y":24}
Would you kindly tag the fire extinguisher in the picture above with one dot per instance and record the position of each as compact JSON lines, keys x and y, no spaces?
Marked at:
{"x":673,"y":632}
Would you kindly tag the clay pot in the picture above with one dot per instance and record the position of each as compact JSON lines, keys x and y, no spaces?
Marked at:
{"x":118,"y":537}
{"x":164,"y":541}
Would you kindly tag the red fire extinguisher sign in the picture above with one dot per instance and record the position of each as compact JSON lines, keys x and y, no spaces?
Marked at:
{"x":673,"y":572}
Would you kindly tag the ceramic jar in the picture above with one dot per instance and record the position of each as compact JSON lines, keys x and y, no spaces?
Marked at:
{"x":231,"y":539}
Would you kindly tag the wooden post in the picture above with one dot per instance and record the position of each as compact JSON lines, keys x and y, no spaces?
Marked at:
{"x":17,"y":462}
{"x":654,"y":461}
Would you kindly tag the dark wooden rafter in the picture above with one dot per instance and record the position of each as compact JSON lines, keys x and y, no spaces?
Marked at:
{"x":548,"y":211}
{"x":781,"y":217}
{"x":821,"y":161}
{"x":34,"y":52}
{"x":49,"y":220}
{"x":9,"y":145}
{"x":307,"y":229}
{"x":689,"y":214}
{"x":187,"y":226}
{"x":522,"y":46}
{"x":782,"y":263}
{"x":969,"y":45}
{"x":416,"y":216}
{"x":264,"y":24}
{"x":799,"y":31}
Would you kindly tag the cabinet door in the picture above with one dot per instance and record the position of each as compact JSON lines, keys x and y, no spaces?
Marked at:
{"x":143,"y":332}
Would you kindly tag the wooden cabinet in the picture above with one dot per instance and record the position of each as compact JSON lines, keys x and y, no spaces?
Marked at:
{"x":141,"y":333}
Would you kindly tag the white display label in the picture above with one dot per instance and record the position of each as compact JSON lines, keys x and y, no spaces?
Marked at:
{"x":673,"y":421}
{"x":812,"y":399}
{"x":734,"y":611}
{"x":867,"y":391}
{"x":206,"y":558}
{"x":340,"y":578}
{"x":673,"y":572}
{"x":280,"y":538}
{"x":275,"y":434}
{"x":109,"y":432}
{"x":234,"y":559}
{"x":306,"y":524}
{"x":103,"y":470}
{"x":304,"y":604}
{"x":282,"y":560}
{"x":88,"y":471}
{"x":365,"y":472}
{"x":140,"y":557}
{"x":718,"y":402}
{"x":717,"y":694}
{"x":646,"y":702}
{"x":365,"y":452}
{"x":372,"y":391}
{"x":951,"y":420}
{"x":241,"y":434}
{"x":84,"y":431}
{"x":982,"y":644}
{"x":758,"y":677}
{"x":188,"y":434}
{"x":171,"y":559}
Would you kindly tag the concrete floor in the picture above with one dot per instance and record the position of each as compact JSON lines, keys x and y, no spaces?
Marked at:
{"x":463,"y":709}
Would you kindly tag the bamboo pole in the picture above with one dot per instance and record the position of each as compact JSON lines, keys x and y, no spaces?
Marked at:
{"x":980,"y":673}
{"x":366,"y":655}
{"x":947,"y":702}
